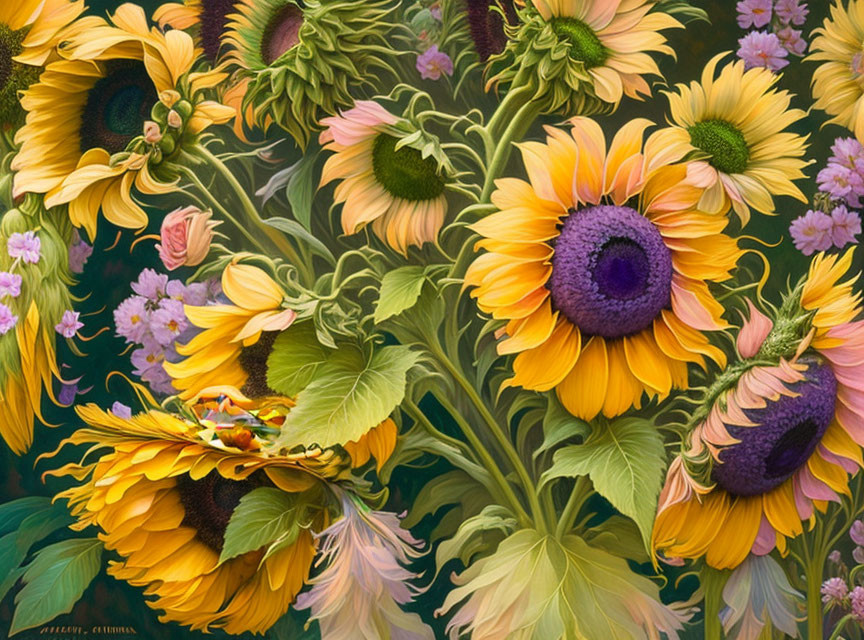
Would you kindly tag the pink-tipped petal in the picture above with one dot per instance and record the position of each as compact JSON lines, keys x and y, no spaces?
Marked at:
{"x":754,"y":332}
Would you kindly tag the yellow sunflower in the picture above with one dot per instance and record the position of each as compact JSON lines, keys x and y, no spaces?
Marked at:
{"x":395,"y":188}
{"x":601,"y":264}
{"x":162,"y":497}
{"x":838,"y":83}
{"x":585,"y":54}
{"x":781,"y":440}
{"x":82,"y":143}
{"x":735,"y":127}
{"x":217,"y":355}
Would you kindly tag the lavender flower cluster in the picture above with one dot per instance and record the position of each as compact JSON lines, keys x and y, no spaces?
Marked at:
{"x":835,"y":591}
{"x":832,"y":222}
{"x":154,"y":319}
{"x":776,"y":36}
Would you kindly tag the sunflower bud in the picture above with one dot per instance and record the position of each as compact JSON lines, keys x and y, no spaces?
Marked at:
{"x":186,"y":236}
{"x":174,"y":119}
{"x":152,"y":132}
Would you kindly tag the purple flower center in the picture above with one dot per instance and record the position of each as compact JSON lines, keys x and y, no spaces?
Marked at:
{"x":214,"y":19}
{"x":787,"y":433}
{"x":611,"y":272}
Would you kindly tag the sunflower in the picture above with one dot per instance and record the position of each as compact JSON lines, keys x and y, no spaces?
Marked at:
{"x":778,"y":442}
{"x":486,"y":24}
{"x":30,"y":31}
{"x":228,"y":349}
{"x":600,"y":265}
{"x":82,"y":143}
{"x":162,"y":497}
{"x":209,"y":19}
{"x":838,"y":83}
{"x":585,"y":55}
{"x":303,"y":58}
{"x":735,"y":127}
{"x":396,"y":188}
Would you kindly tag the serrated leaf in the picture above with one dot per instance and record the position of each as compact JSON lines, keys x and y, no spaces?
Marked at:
{"x":625,"y":461}
{"x":263,"y":516}
{"x":559,"y":425}
{"x":400,"y":290}
{"x":349,"y":395}
{"x":298,"y":231}
{"x":55,"y":581}
{"x":296,"y":357}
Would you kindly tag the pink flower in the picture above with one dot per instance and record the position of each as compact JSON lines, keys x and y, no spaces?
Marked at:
{"x":7,"y":319}
{"x":856,"y":532}
{"x":812,"y":232}
{"x":186,"y":236}
{"x":762,"y":49}
{"x":168,"y":321}
{"x":10,"y":284}
{"x":841,"y":182}
{"x":152,"y":132}
{"x":432,"y":63}
{"x":150,"y":284}
{"x":79,"y":252}
{"x":25,"y":246}
{"x":132,"y":318}
{"x":754,"y":13}
{"x":856,"y":599}
{"x":848,"y":152}
{"x":834,"y":590}
{"x":69,"y":324}
{"x":846,"y":226}
{"x":792,"y":41}
{"x":791,"y":11}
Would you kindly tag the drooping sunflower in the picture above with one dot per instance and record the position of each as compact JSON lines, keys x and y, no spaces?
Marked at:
{"x":838,"y":83}
{"x":30,"y":31}
{"x":585,"y":55}
{"x":395,"y":188}
{"x":209,"y":19}
{"x":601,"y":264}
{"x":735,"y":125}
{"x":82,"y":143}
{"x":779,"y":441}
{"x":162,"y":497}
{"x":486,"y":20}
{"x":303,"y":58}
{"x":228,"y":349}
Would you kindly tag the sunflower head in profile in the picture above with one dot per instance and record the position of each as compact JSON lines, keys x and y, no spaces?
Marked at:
{"x":206,"y":19}
{"x":582,"y":57}
{"x":385,"y":180}
{"x":303,"y":58}
{"x":30,"y":32}
{"x":734,"y":128}
{"x":780,"y":432}
{"x":838,"y":83}
{"x":163,"y":492}
{"x":600,"y":265}
{"x":101,"y":120}
{"x":486,"y":23}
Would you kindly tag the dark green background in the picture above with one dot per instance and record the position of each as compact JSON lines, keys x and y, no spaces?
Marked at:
{"x":108,"y":274}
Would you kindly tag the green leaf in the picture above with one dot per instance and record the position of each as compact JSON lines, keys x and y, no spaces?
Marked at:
{"x":625,"y":460}
{"x":13,"y":512}
{"x":295,"y":359}
{"x":348,"y":396}
{"x":400,"y":290}
{"x":55,"y":580}
{"x":560,"y":425}
{"x":477,"y":534}
{"x":298,"y":231}
{"x":263,"y":515}
{"x":620,"y":537}
{"x":301,"y":189}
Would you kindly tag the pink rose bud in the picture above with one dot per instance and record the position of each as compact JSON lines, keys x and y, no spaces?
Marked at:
{"x":152,"y":132}
{"x":186,"y":236}
{"x":174,"y":119}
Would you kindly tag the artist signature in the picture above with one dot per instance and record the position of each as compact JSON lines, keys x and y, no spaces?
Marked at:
{"x":73,"y":632}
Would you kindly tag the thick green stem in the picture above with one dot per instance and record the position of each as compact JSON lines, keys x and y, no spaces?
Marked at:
{"x":713,"y":582}
{"x":254,"y":216}
{"x":814,"y":595}
{"x":517,"y":127}
{"x":581,"y":492}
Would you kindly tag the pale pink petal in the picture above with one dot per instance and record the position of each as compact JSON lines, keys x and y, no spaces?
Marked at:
{"x":754,"y":332}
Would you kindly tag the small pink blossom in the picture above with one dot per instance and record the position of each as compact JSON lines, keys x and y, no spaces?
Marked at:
{"x":10,"y":284}
{"x":69,"y":324}
{"x":834,"y":591}
{"x":841,"y":183}
{"x":792,"y":41}
{"x":812,"y":232}
{"x":79,"y":252}
{"x":432,"y":63}
{"x":7,"y":319}
{"x":791,"y":12}
{"x":754,"y":13}
{"x":25,"y":246}
{"x":856,"y":599}
{"x":762,"y":49}
{"x":121,"y":410}
{"x":846,"y":226}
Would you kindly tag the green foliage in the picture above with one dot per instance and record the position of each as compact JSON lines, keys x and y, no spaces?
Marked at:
{"x":625,"y":460}
{"x":400,"y":290}
{"x":620,"y":537}
{"x":683,"y":10}
{"x":55,"y":580}
{"x":301,"y":189}
{"x":296,"y":357}
{"x":451,"y":488}
{"x":559,"y":425}
{"x":349,"y":395}
{"x":263,"y":516}
{"x":302,"y":234}
{"x":478,"y":534}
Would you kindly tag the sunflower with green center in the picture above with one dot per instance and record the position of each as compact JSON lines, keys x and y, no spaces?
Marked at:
{"x":303,"y":59}
{"x":600,"y":265}
{"x":734,"y":127}
{"x":584,"y":56}
{"x":389,"y":185}
{"x":781,"y":436}
{"x":83,"y":142}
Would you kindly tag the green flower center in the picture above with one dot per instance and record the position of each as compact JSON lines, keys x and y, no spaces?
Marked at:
{"x":723,"y":142}
{"x":404,"y":172}
{"x":282,"y":33}
{"x":585,"y":46}
{"x":14,"y":76}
